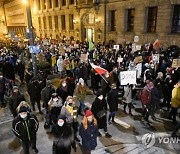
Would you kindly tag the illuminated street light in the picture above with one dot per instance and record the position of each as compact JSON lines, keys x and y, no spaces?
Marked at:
{"x":25,"y":2}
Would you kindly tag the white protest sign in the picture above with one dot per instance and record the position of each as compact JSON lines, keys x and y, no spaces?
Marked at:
{"x":120,"y":60}
{"x":136,"y":39}
{"x":139,"y":70}
{"x":155,"y":58}
{"x":127,"y":77}
{"x":138,"y":47}
{"x":116,"y":47}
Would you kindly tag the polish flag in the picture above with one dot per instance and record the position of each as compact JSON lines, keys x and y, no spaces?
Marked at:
{"x":99,"y":69}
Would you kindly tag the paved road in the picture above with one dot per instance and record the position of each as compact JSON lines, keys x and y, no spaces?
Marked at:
{"x":126,"y":135}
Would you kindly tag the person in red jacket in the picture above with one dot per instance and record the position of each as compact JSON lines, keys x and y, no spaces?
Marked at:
{"x":146,"y":99}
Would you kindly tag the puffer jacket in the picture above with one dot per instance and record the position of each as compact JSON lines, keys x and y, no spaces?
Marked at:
{"x":146,"y":96}
{"x":175,"y":100}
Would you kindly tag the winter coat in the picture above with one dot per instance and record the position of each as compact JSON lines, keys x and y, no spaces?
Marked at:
{"x":175,"y":100}
{"x":112,"y":99}
{"x":155,"y":99}
{"x":20,"y":69}
{"x":25,"y":129}
{"x":8,"y":71}
{"x":146,"y":96}
{"x":14,"y":101}
{"x":97,"y":106}
{"x":46,"y":95}
{"x":34,"y":90}
{"x":70,"y":117}
{"x":128,"y":94}
{"x":63,"y":139}
{"x":89,"y":136}
{"x":2,"y":85}
{"x":62,"y":93}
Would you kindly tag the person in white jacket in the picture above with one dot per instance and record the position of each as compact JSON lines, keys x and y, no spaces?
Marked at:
{"x":127,"y":98}
{"x":60,"y":65}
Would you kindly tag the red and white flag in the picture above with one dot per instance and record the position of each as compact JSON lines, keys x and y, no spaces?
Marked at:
{"x":99,"y":69}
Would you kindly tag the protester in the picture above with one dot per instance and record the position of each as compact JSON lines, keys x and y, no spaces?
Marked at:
{"x":112,"y":99}
{"x":60,"y":65}
{"x":175,"y":102}
{"x":20,"y":68}
{"x":15,"y":100}
{"x":34,"y":91}
{"x":46,"y":94}
{"x":99,"y":109}
{"x":69,"y":110}
{"x":25,"y":127}
{"x":63,"y":137}
{"x":88,"y":132}
{"x":127,"y":98}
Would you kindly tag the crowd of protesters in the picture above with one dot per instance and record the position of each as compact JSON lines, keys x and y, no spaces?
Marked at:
{"x":158,"y":87}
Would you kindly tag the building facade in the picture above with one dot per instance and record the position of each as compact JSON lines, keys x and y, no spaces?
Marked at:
{"x":108,"y":20}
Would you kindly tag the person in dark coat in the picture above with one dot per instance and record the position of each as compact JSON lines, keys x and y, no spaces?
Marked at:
{"x":88,"y":132}
{"x":46,"y":93}
{"x":20,"y":68}
{"x":105,"y":84}
{"x":34,"y":91}
{"x":112,"y":99}
{"x":25,"y":127}
{"x":15,"y":100}
{"x":155,"y":100}
{"x":63,"y":137}
{"x":99,"y":109}
{"x":8,"y":70}
{"x":62,"y":91}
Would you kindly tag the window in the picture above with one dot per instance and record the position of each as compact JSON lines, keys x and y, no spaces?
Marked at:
{"x":71,"y":2}
{"x":39,"y":5}
{"x":63,"y":2}
{"x":50,"y":22}
{"x":152,"y":19}
{"x":71,"y":24}
{"x":39,"y":21}
{"x":44,"y":22}
{"x":44,"y":4}
{"x":56,"y":3}
{"x":176,"y":19}
{"x":63,"y":22}
{"x":112,"y":25}
{"x":56,"y":22}
{"x":50,"y":4}
{"x":130,"y":20}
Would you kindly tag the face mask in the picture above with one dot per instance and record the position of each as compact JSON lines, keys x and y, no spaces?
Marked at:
{"x":64,"y":84}
{"x":60,"y":123}
{"x":90,"y":118}
{"x":100,"y":97}
{"x":23,"y":115}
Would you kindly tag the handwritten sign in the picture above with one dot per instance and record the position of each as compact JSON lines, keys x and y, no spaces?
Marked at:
{"x":176,"y":63}
{"x":127,"y":77}
{"x":138,"y":59}
{"x":155,"y":58}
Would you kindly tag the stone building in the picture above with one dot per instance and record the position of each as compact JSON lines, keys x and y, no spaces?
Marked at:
{"x":108,"y":20}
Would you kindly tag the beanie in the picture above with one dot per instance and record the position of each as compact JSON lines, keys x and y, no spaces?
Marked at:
{"x":23,"y":109}
{"x":88,"y":113}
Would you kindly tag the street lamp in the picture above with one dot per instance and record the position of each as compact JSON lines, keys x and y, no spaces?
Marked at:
{"x":30,"y":34}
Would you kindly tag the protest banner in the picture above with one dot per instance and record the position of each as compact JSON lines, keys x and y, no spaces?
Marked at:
{"x":116,"y":47}
{"x":84,"y":58}
{"x":120,"y":60}
{"x":138,"y":59}
{"x":136,"y":39}
{"x":127,"y":77}
{"x":176,"y":63}
{"x":155,"y":58}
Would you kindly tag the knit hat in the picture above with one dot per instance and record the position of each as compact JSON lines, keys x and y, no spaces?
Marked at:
{"x":88,"y":113}
{"x":81,"y":80}
{"x":23,"y":109}
{"x":48,"y":83}
{"x":15,"y":87}
{"x":62,"y":116}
